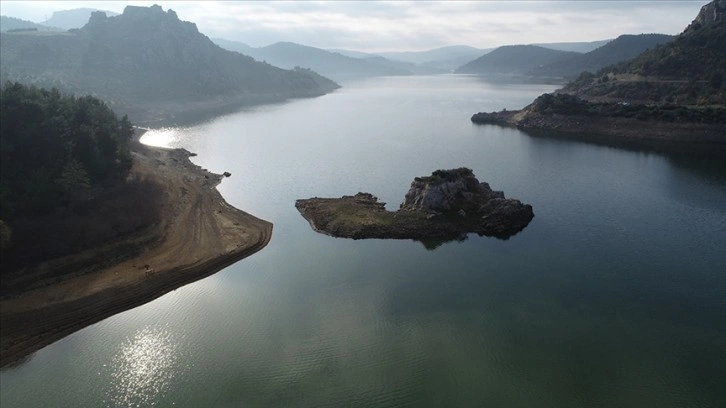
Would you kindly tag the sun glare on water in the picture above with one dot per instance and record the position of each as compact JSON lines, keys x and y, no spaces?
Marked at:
{"x":143,"y":369}
{"x":163,"y":137}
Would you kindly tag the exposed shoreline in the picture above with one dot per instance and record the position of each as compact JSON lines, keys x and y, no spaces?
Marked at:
{"x":626,"y":129}
{"x":200,"y":235}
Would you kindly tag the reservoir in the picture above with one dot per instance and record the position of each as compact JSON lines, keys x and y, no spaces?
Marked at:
{"x":614,"y":295}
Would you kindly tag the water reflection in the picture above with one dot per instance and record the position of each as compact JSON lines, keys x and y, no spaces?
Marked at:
{"x":163,"y":137}
{"x":143,"y":369}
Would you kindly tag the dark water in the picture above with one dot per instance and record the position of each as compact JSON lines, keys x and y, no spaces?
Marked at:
{"x":614,"y":296}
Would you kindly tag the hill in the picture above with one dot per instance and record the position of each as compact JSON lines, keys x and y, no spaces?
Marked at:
{"x":76,"y":18}
{"x":514,"y":59}
{"x":623,"y":48}
{"x":412,"y":68}
{"x":445,"y":58}
{"x":331,"y":64}
{"x":12,"y":23}
{"x":582,"y":47}
{"x":151,"y":65}
{"x":673,"y":93}
{"x":689,"y":70}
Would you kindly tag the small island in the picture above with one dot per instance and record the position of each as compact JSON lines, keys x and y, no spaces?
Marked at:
{"x":448,"y":204}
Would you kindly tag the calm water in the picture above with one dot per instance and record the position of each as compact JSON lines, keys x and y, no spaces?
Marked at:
{"x":614,"y":296}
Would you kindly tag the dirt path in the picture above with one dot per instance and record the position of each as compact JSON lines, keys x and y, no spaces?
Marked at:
{"x":202,"y":234}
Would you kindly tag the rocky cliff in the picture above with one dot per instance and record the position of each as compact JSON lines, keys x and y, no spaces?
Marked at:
{"x":710,"y":14}
{"x":448,"y":190}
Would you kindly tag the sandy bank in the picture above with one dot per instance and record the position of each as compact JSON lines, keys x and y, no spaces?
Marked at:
{"x":200,"y":235}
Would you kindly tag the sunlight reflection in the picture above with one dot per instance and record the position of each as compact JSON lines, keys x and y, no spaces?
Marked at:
{"x":143,"y":369}
{"x":163,"y":137}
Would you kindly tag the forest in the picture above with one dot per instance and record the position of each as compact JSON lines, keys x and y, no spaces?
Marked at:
{"x":64,"y":162}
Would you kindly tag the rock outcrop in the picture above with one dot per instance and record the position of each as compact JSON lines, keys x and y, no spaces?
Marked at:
{"x":710,"y":14}
{"x":446,"y":205}
{"x":447,"y":190}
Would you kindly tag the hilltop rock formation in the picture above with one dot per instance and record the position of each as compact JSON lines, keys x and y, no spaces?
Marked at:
{"x":448,"y":204}
{"x":710,"y":14}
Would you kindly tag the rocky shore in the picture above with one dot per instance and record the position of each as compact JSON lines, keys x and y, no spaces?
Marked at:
{"x":200,"y":234}
{"x":446,"y":205}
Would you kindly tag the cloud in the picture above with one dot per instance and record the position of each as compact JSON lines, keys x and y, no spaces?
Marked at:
{"x":403,"y":25}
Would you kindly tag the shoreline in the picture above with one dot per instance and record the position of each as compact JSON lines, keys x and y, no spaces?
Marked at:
{"x":201,"y":234}
{"x":624,"y":129}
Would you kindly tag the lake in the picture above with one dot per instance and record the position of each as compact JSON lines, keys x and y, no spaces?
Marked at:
{"x":614,"y":295}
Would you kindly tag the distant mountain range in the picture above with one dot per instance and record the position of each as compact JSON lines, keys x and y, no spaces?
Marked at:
{"x":582,"y":47}
{"x":331,"y":64}
{"x":620,"y":49}
{"x":452,"y":57}
{"x":538,"y":61}
{"x":12,"y":24}
{"x":446,"y":58}
{"x":76,"y":18}
{"x":147,"y":62}
{"x":514,"y":59}
{"x":59,"y":21}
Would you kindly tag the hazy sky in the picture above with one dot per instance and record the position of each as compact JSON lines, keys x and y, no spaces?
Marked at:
{"x":398,"y":26}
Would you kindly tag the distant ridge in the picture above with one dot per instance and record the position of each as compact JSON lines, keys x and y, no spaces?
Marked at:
{"x":339,"y":67}
{"x":11,"y":23}
{"x":76,"y":18}
{"x":149,"y":63}
{"x":582,"y":47}
{"x":514,"y":59}
{"x":447,"y":58}
{"x":623,"y":48}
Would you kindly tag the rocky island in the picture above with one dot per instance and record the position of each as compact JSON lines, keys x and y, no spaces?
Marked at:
{"x":448,"y":204}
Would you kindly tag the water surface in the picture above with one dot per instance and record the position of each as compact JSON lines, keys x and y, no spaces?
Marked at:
{"x":612,"y":296}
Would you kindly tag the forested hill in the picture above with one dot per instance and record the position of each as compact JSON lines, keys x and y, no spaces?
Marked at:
{"x":690,"y":70}
{"x":146,"y":56}
{"x":64,"y":185}
{"x":620,"y":49}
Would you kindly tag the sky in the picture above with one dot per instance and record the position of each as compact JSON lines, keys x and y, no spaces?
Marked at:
{"x":402,"y":25}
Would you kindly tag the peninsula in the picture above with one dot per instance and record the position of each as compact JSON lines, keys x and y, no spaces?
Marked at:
{"x":675,"y":92}
{"x":198,"y":235}
{"x":448,"y":204}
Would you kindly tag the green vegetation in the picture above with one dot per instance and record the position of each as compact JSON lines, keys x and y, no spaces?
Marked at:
{"x":55,"y":147}
{"x":620,"y":49}
{"x":64,"y":163}
{"x":689,"y":70}
{"x":565,"y":104}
